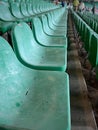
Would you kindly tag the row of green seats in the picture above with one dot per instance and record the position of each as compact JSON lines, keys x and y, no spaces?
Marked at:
{"x":90,"y":39}
{"x":34,"y":84}
{"x":18,"y":11}
{"x":53,"y":23}
{"x":94,"y":16}
{"x":35,"y":56}
{"x":46,"y":39}
{"x":90,"y":21}
{"x":46,"y":23}
{"x":45,"y":52}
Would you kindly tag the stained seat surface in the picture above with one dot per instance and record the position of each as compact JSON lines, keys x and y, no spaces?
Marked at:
{"x":31,"y":99}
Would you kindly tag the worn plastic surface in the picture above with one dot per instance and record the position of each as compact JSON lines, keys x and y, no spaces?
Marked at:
{"x":31,"y":99}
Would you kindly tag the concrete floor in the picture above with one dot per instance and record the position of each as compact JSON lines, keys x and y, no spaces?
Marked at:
{"x":82,"y":116}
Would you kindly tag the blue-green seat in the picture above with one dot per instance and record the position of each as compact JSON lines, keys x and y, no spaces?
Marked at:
{"x":31,"y":54}
{"x":85,"y":31}
{"x":45,"y":39}
{"x":31,"y":99}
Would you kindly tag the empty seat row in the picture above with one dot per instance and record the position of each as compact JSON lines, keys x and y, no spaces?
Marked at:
{"x":49,"y":60}
{"x":45,"y":52}
{"x":36,"y":56}
{"x":94,"y":16}
{"x":18,"y":11}
{"x":90,"y":39}
{"x":90,"y":21}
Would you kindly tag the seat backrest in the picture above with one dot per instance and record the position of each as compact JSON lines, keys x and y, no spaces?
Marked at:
{"x":87,"y":38}
{"x":5,"y":13}
{"x":8,"y":61}
{"x":24,"y":43}
{"x":15,"y":8}
{"x":37,"y":28}
{"x":24,"y":9}
{"x":44,"y":22}
{"x":29,"y":8}
{"x":93,"y":51}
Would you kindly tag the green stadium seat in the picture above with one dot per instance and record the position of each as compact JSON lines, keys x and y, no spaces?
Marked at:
{"x":31,"y":54}
{"x":31,"y":99}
